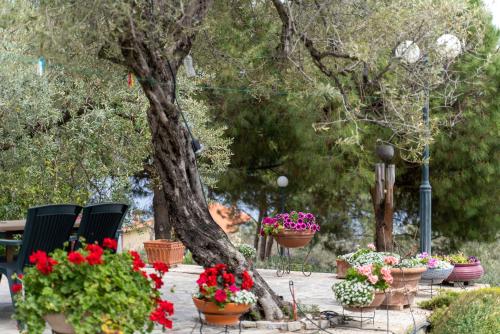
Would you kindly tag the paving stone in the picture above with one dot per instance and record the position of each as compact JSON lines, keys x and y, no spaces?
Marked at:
{"x":249,"y":324}
{"x":294,"y":326}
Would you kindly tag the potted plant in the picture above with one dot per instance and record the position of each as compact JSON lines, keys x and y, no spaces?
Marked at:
{"x":167,"y":251}
{"x":437,"y":270}
{"x":377,"y":276}
{"x":466,"y":268}
{"x":406,"y":275}
{"x":344,"y":261}
{"x":91,"y":290}
{"x":291,"y":230}
{"x":223,"y":296}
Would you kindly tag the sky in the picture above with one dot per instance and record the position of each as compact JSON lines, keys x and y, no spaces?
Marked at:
{"x":494,"y":7}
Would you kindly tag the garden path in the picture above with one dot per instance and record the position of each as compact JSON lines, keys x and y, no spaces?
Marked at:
{"x":313,"y":290}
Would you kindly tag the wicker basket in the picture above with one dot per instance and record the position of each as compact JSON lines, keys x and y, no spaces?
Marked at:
{"x":167,"y":251}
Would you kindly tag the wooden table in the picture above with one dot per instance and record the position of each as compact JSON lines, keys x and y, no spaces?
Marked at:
{"x":8,"y":228}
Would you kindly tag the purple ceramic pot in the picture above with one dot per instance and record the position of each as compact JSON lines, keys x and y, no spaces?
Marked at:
{"x":466,"y":272}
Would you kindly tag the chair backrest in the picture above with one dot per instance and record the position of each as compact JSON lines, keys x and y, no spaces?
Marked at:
{"x":101,"y":221}
{"x":47,"y":228}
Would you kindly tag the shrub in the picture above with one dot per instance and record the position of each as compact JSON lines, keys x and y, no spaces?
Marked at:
{"x":443,"y":299}
{"x":472,"y":312}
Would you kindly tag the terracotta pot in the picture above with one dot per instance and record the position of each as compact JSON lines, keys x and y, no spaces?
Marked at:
{"x":404,"y":286}
{"x":167,"y":251}
{"x":57,"y":321}
{"x":466,"y":272}
{"x":342,"y":266}
{"x":294,"y":239}
{"x":436,"y":276}
{"x":377,"y":301}
{"x":229,"y":315}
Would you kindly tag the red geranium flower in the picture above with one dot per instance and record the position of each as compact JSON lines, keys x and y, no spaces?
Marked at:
{"x":220,"y":295}
{"x":93,"y":248}
{"x":157,"y":279}
{"x":76,"y":257}
{"x":110,"y":243}
{"x":162,"y":311}
{"x":17,"y":287}
{"x":137,"y":261}
{"x":228,"y":278}
{"x":161,"y":267}
{"x":20,"y":276}
{"x":247,"y":282}
{"x":44,"y":263}
{"x":94,"y":258}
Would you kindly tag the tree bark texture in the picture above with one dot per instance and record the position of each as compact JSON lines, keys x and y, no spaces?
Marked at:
{"x":162,"y":226}
{"x":173,"y":155}
{"x":383,"y":205}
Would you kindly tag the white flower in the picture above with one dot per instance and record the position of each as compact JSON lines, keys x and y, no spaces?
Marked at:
{"x":243,"y":297}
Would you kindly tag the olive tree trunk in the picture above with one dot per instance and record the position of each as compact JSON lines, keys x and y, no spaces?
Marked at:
{"x":173,"y":155}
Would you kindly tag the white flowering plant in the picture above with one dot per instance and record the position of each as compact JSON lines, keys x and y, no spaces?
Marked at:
{"x":412,"y":262}
{"x":354,"y":293}
{"x":247,"y":251}
{"x":243,"y":297}
{"x":371,"y":258}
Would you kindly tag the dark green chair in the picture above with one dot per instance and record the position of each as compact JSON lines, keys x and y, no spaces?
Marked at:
{"x":100,"y":221}
{"x":47,"y":228}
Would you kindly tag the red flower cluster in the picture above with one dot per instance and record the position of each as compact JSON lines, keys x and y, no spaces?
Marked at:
{"x":110,"y":243}
{"x":17,"y":287}
{"x":137,"y":261}
{"x":219,"y":283}
{"x":43,"y":263}
{"x":160,"y":267}
{"x":76,"y":258}
{"x":95,"y":254}
{"x":161,"y":313}
{"x":157,"y":279}
{"x":247,"y":281}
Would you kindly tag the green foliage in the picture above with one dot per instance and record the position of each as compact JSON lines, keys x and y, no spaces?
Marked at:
{"x":247,"y":251}
{"x":90,"y":296}
{"x":475,"y":311}
{"x":443,"y":299}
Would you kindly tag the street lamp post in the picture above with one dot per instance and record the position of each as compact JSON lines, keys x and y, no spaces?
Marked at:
{"x":282,"y":184}
{"x":448,"y":46}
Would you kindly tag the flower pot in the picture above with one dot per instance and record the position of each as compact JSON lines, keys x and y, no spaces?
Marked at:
{"x":342,"y":266}
{"x":167,"y":251}
{"x":377,"y":301}
{"x":57,"y":321}
{"x":403,"y":288}
{"x":466,"y":272}
{"x":436,"y":276}
{"x":294,"y":239}
{"x":229,"y":315}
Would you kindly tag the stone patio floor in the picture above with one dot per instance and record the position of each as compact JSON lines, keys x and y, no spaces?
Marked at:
{"x":313,"y":290}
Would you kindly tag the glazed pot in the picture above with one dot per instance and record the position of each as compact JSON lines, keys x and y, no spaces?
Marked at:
{"x":403,"y":289}
{"x":466,"y":272}
{"x":229,"y":315}
{"x":293,"y":238}
{"x":377,"y":301}
{"x":342,"y":266}
{"x":166,"y":251}
{"x":57,"y":321}
{"x":436,"y":276}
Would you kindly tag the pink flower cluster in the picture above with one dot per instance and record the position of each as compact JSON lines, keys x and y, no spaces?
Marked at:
{"x":386,"y":274}
{"x":371,"y":247}
{"x":297,"y":221}
{"x":366,"y":270}
{"x":391,"y":260}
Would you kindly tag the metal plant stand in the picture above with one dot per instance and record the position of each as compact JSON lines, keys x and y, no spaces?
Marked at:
{"x":363,"y":317}
{"x":285,"y":262}
{"x":226,"y":327}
